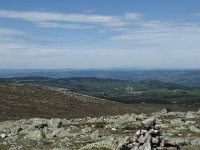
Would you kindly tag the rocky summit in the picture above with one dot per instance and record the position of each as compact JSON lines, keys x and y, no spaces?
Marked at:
{"x":102,"y":133}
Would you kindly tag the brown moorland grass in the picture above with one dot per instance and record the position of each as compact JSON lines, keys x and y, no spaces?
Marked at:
{"x":28,"y":101}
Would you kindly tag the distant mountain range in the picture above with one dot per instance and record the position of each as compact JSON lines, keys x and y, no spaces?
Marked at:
{"x":183,"y":77}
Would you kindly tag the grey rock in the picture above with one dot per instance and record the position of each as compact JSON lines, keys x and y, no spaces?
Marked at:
{"x":189,"y":122}
{"x":15,"y":130}
{"x":148,"y":123}
{"x":60,"y":149}
{"x":160,"y":148}
{"x":36,"y":121}
{"x":140,"y":148}
{"x":155,"y":140}
{"x":55,"y":122}
{"x":86,"y":130}
{"x":177,"y":121}
{"x":34,"y":135}
{"x":57,"y":132}
{"x":96,"y":135}
{"x":127,"y":131}
{"x":135,"y":148}
{"x":141,"y":116}
{"x":3,"y":135}
{"x":178,"y":141}
{"x":41,"y":126}
{"x":142,"y":139}
{"x":147,"y":146}
{"x":79,"y":134}
{"x":73,"y":129}
{"x":148,"y":138}
{"x":164,"y":111}
{"x":194,"y":129}
{"x":195,"y":141}
{"x":178,"y":114}
{"x":110,"y":144}
{"x":172,"y":148}
{"x":191,"y":114}
{"x":66,"y":139}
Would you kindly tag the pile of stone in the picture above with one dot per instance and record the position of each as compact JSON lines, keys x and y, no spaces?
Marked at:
{"x":105,"y":132}
{"x":148,"y":137}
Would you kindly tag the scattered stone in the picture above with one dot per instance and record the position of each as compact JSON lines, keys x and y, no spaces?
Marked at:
{"x":194,"y":129}
{"x":195,"y":141}
{"x":147,"y":146}
{"x":55,"y":122}
{"x":161,"y":148}
{"x":96,"y":135}
{"x":172,"y":148}
{"x":86,"y":130}
{"x":179,"y":128}
{"x":177,"y":121}
{"x":191,"y":115}
{"x":155,"y":140}
{"x":142,"y":139}
{"x":73,"y":129}
{"x":127,"y":131}
{"x":34,"y":135}
{"x":113,"y":129}
{"x":107,"y":145}
{"x":190,"y":122}
{"x":147,"y":138}
{"x":178,"y":141}
{"x":164,"y":111}
{"x":3,"y":135}
{"x":41,"y":126}
{"x":148,"y":123}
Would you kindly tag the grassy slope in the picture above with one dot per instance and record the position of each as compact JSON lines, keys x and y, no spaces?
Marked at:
{"x":24,"y":101}
{"x":119,"y":90}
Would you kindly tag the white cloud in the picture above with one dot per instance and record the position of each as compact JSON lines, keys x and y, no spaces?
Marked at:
{"x":197,"y":14}
{"x":133,"y":16}
{"x":128,"y":40}
{"x":157,"y":32}
{"x":44,"y":16}
{"x":8,"y":31}
{"x":62,"y":25}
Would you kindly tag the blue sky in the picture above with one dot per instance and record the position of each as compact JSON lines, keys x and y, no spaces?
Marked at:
{"x":38,"y":34}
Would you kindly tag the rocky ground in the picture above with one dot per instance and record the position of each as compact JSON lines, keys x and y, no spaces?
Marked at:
{"x":102,"y":133}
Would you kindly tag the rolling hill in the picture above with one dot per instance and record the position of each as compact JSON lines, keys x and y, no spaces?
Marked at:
{"x":26,"y":101}
{"x":123,"y":91}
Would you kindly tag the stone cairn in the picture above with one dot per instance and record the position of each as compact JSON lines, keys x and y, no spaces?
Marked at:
{"x":148,"y":137}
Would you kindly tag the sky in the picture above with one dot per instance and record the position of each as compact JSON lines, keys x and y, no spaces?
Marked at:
{"x":49,"y":34}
